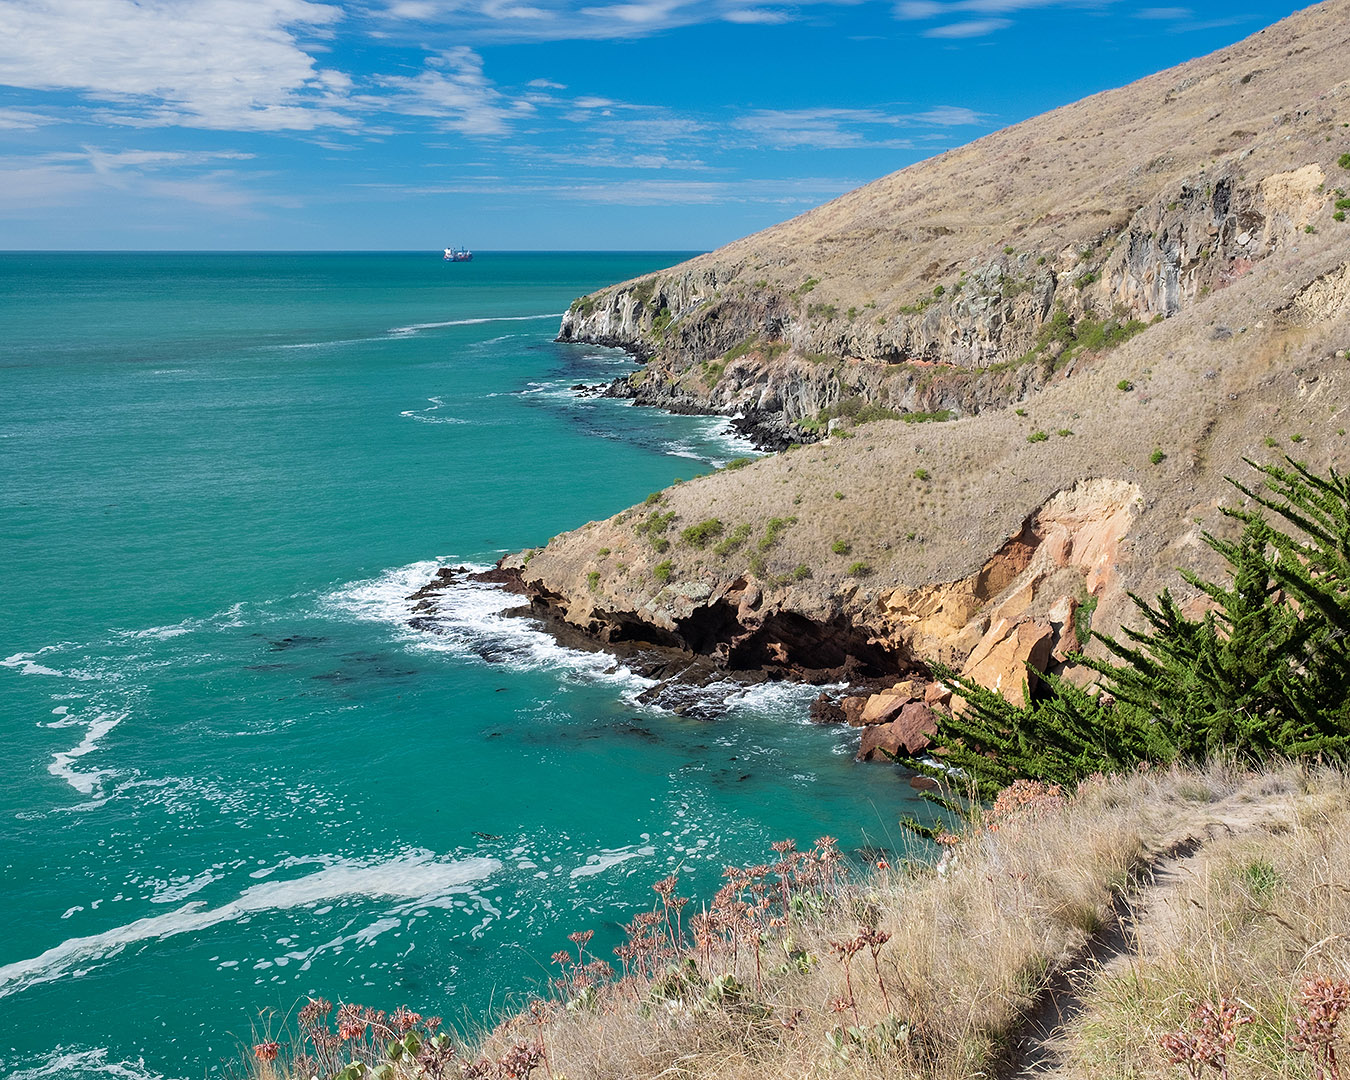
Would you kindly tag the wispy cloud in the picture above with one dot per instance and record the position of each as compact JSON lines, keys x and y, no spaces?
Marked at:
{"x":70,"y":177}
{"x":970,"y":29}
{"x":765,"y":16}
{"x":23,"y":120}
{"x":226,"y":64}
{"x":804,"y":191}
{"x":846,"y":129}
{"x":453,"y":90}
{"x":975,"y":18}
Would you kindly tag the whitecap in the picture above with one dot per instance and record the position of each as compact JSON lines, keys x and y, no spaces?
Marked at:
{"x":62,"y":767}
{"x":419,"y":877}
{"x":26,"y":663}
{"x":470,"y":620}
{"x":67,"y":1063}
{"x":415,"y":327}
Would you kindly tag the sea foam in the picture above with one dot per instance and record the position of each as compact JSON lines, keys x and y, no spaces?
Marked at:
{"x":419,"y":877}
{"x":470,"y":620}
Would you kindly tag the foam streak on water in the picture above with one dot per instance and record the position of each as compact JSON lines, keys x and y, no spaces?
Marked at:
{"x":418,"y":877}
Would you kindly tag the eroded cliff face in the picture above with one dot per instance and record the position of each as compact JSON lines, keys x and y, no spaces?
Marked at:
{"x":992,"y":335}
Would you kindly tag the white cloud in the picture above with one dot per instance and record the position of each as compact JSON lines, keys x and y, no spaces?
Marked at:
{"x":818,"y":129}
{"x":545,"y":84}
{"x":842,"y":129}
{"x":805,"y":191}
{"x":918,"y":9}
{"x":75,"y":177}
{"x":1164,"y":13}
{"x":949,"y":116}
{"x":639,"y":13}
{"x":757,"y":15}
{"x":22,"y":120}
{"x":454,"y":90}
{"x":974,"y":28}
{"x":226,"y":64}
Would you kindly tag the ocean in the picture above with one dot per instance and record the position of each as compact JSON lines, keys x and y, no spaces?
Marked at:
{"x":233,"y":776}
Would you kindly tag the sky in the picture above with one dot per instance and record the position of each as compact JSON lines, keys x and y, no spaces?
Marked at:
{"x":522,"y":124}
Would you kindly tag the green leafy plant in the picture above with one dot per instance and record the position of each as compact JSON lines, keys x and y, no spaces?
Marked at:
{"x":841,"y":547}
{"x":922,"y":474}
{"x":1157,"y":457}
{"x":702,"y":534}
{"x":1037,"y":436}
{"x":663,"y":570}
{"x":859,"y":569}
{"x":737,"y":537}
{"x":1124,"y":384}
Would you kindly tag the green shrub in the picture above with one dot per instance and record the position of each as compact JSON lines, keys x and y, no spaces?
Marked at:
{"x":603,"y":553}
{"x":1082,"y":621}
{"x":801,"y":572}
{"x":1064,"y":432}
{"x":773,"y":531}
{"x":841,"y":547}
{"x":1263,"y":674}
{"x":1008,"y":250}
{"x":1344,"y":161}
{"x":859,"y":569}
{"x":939,"y":417}
{"x":1270,"y":441}
{"x":738,"y":536}
{"x":1339,"y":215}
{"x":738,"y":463}
{"x":593,"y":580}
{"x":1021,"y":412}
{"x":703,"y":533}
{"x":1296,"y":437}
{"x":922,"y":474}
{"x":1124,"y":384}
{"x":1037,"y":436}
{"x":1156,"y":457}
{"x":662,"y":571}
{"x":938,"y":290}
{"x":654,"y":498}
{"x":838,"y":494}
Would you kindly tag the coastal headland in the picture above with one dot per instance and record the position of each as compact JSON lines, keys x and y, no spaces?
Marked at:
{"x":1007,"y":386}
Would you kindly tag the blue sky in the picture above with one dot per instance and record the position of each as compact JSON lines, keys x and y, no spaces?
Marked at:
{"x":500,"y":124}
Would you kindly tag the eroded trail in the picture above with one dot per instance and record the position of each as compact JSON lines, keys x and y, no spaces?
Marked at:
{"x":1147,"y":921}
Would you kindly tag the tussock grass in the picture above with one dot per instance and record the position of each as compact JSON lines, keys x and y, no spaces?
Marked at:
{"x":1265,"y":905}
{"x":931,"y":968}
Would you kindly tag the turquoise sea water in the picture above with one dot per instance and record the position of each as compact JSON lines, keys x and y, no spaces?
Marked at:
{"x":233,"y":776}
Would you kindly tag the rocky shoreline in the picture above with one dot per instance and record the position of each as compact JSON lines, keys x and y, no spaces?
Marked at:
{"x":895,"y":715}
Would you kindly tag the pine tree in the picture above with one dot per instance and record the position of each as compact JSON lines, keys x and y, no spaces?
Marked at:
{"x":1265,"y":672}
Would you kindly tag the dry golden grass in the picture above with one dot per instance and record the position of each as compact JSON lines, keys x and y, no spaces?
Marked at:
{"x":1259,"y":908}
{"x":1241,"y":884}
